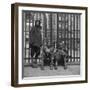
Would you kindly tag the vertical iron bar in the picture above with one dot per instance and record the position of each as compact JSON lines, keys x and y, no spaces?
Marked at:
{"x":75,"y":40}
{"x":68,"y":33}
{"x":70,"y":38}
{"x":77,"y":34}
{"x":74,"y":34}
{"x":79,"y":38}
{"x":45,"y":25}
{"x":51,"y":29}
{"x":25,"y":34}
{"x":61,"y":30}
{"x":65,"y":32}
{"x":57,"y":29}
{"x":29,"y":38}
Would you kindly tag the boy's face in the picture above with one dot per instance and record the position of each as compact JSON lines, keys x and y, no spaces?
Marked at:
{"x":37,"y":23}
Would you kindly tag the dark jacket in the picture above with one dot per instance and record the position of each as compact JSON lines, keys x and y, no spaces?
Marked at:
{"x":35,"y":37}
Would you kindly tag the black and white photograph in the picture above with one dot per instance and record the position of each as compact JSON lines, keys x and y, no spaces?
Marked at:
{"x":51,"y":44}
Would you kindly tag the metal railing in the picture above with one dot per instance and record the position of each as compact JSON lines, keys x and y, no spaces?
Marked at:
{"x":56,"y":27}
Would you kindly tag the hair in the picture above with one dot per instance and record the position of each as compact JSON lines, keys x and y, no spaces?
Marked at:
{"x":37,"y":21}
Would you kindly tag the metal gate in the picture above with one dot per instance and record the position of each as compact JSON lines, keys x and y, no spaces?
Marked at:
{"x":56,"y":27}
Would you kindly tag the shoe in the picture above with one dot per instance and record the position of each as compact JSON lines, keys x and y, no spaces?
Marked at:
{"x":55,"y":68}
{"x":51,"y":68}
{"x":65,"y":67}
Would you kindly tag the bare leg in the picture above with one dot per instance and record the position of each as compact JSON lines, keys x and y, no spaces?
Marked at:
{"x":65,"y":64}
{"x":51,"y":62}
{"x":32,"y":54}
{"x":55,"y":64}
{"x":42,"y":63}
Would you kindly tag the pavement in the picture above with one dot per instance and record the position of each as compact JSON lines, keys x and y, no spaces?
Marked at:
{"x":36,"y":72}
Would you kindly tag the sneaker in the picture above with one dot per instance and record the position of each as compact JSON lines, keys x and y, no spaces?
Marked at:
{"x":55,"y":67}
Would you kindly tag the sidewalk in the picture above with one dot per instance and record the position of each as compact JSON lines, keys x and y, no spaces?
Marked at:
{"x":35,"y":72}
